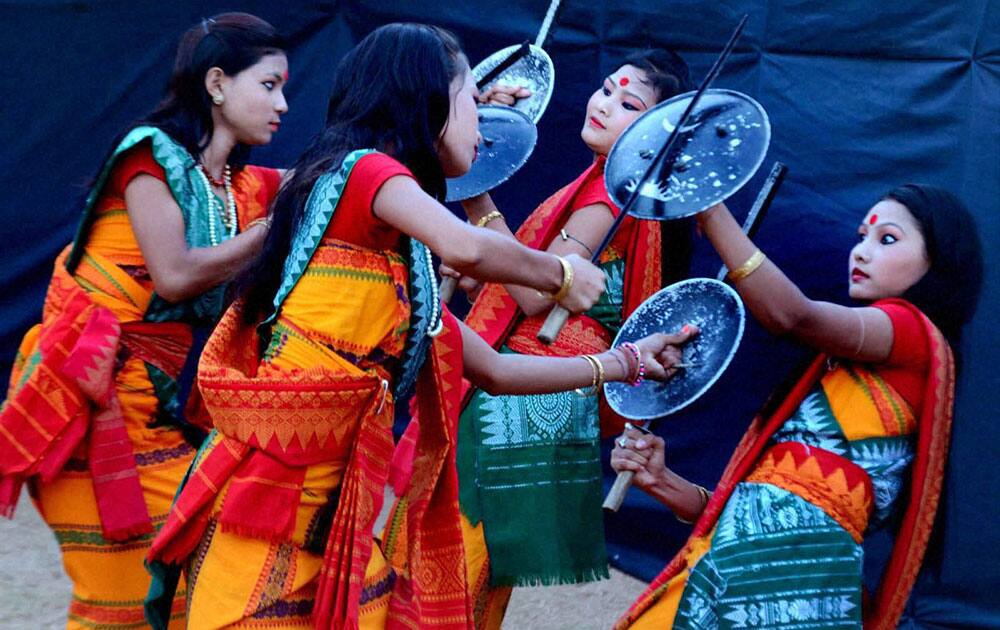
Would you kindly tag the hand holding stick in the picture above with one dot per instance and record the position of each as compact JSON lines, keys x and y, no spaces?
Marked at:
{"x":557,"y":317}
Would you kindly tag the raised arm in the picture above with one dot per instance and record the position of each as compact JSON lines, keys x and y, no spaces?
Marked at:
{"x":863,"y":333}
{"x":584,"y":231}
{"x":180,"y":272}
{"x":481,"y":253}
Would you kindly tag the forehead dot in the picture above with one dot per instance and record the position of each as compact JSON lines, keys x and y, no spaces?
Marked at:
{"x":873,"y":219}
{"x":623,"y":81}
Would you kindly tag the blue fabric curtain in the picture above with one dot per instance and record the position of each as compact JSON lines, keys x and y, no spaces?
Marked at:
{"x":862,"y":96}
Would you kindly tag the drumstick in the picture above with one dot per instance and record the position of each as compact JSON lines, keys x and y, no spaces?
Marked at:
{"x":558,"y":315}
{"x":513,"y":58}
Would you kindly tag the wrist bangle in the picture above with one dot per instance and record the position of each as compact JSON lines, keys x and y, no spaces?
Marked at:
{"x":600,"y":374}
{"x":593,"y":381}
{"x":486,"y":218}
{"x":567,"y":280}
{"x":265,"y":221}
{"x":756,"y":260}
{"x":640,"y":372}
{"x":705,"y":495}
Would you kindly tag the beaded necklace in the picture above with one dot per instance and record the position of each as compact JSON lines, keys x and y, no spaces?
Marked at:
{"x":227,"y":213}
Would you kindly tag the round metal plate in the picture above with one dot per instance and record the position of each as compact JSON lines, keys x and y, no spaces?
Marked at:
{"x":716,"y":310}
{"x":533,"y":71}
{"x":717,"y":152}
{"x":508,"y":139}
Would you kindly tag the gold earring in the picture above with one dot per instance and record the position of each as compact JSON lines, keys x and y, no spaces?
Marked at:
{"x":218,"y":99}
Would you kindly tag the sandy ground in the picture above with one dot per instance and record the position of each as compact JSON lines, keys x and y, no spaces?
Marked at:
{"x":34,"y":591}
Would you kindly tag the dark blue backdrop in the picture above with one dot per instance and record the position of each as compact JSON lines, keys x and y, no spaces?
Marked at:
{"x":862,"y":96}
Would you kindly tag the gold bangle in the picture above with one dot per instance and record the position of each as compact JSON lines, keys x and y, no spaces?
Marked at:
{"x":265,"y":221}
{"x":705,"y":495}
{"x":598,"y":372}
{"x":567,"y":280}
{"x":593,"y":380}
{"x":756,"y":260}
{"x":483,"y":220}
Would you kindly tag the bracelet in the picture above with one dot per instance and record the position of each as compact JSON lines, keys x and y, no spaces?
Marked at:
{"x":593,"y":381}
{"x":705,"y":496}
{"x":756,"y":260}
{"x":567,"y":280}
{"x":640,"y":372}
{"x":567,"y":237}
{"x":600,"y":373}
{"x":628,"y":363}
{"x":486,"y":218}
{"x":265,"y":221}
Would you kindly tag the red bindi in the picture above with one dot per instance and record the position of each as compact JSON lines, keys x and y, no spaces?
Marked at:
{"x":623,"y":81}
{"x":873,"y":219}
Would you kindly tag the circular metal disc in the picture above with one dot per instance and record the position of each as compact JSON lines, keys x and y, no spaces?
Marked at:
{"x":718,"y":150}
{"x":533,"y":71}
{"x":710,"y":305}
{"x":508,"y":139}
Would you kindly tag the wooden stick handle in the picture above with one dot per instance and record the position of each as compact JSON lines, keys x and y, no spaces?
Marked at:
{"x":553,"y":324}
{"x":447,"y":288}
{"x":617,"y":492}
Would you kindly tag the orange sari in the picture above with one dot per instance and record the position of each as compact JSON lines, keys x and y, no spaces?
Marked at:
{"x":829,"y":482}
{"x":83,"y":421}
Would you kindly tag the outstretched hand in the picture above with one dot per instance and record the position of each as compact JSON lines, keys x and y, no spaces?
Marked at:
{"x":663,"y":354}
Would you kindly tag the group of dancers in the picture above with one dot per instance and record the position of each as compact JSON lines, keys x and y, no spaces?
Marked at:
{"x":204,"y":414}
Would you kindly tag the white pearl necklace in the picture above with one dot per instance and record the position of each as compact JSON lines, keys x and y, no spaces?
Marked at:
{"x":437,"y":324}
{"x":228,"y":213}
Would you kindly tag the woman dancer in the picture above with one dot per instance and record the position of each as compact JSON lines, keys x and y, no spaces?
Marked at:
{"x":97,"y":410}
{"x":275,"y":521}
{"x":557,"y":498}
{"x":870,"y":417}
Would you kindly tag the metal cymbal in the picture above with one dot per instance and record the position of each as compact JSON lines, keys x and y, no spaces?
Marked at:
{"x":508,"y":139}
{"x":712,"y":306}
{"x":533,"y":71}
{"x":718,"y":151}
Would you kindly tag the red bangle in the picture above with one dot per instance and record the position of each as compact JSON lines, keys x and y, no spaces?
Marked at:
{"x":640,"y":372}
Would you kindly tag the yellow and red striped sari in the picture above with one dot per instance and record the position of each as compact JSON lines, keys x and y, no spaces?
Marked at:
{"x":274,"y":523}
{"x":796,"y":508}
{"x":77,"y":422}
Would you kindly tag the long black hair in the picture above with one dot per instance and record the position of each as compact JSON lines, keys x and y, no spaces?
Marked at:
{"x":669,"y":76}
{"x":391,"y":92}
{"x":230,"y":41}
{"x":949,"y":291}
